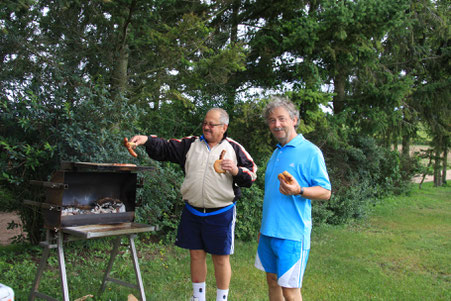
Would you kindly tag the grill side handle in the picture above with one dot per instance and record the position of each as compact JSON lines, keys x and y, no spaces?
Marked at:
{"x":51,"y":185}
{"x":42,"y":205}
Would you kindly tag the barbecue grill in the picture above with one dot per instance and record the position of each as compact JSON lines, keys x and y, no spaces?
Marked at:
{"x":85,"y":200}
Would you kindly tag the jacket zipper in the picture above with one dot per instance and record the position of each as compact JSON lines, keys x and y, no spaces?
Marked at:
{"x":205,"y":173}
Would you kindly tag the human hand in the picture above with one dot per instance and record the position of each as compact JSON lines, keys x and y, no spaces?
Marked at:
{"x":230,"y":166}
{"x":288,"y":184}
{"x":138,"y":140}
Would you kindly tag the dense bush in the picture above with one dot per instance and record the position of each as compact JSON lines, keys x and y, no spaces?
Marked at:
{"x":161,"y":201}
{"x":36,"y":134}
{"x":361,"y":173}
{"x":249,"y":213}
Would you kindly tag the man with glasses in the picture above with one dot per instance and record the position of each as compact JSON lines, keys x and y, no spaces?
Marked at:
{"x":208,"y":219}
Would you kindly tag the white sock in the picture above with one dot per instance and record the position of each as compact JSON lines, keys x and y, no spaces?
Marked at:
{"x":221,"y":295}
{"x":199,"y":290}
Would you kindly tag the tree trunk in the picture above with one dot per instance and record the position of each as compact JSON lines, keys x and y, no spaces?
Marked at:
{"x":231,"y":93}
{"x":428,"y":154}
{"x":120,"y":78}
{"x":405,"y":145}
{"x":339,"y":88}
{"x":445,"y":164}
{"x":234,"y":25}
{"x":437,"y":168}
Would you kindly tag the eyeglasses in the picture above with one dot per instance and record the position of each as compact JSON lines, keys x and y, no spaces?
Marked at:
{"x":210,"y":125}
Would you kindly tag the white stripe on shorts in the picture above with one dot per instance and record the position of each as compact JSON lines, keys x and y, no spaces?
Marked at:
{"x":293,"y":277}
{"x":232,"y":247}
{"x":258,"y":264}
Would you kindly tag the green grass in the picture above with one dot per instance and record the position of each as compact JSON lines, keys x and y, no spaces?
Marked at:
{"x":401,"y":252}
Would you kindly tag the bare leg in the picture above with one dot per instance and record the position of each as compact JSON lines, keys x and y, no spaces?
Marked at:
{"x":223,"y":270}
{"x":278,"y":293}
{"x":275,"y":291}
{"x":292,"y":294}
{"x":198,"y":266}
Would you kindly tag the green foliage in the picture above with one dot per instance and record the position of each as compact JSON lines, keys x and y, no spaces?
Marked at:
{"x":161,"y":199}
{"x":249,"y":213}
{"x":177,"y":119}
{"x":361,"y":173}
{"x":37,"y":134}
{"x":7,"y":199}
{"x":309,"y":102}
{"x":249,"y":120}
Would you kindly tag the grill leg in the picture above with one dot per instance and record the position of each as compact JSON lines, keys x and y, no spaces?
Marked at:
{"x":41,"y":268}
{"x":114,"y":252}
{"x":136,"y":265}
{"x":62,"y":265}
{"x":43,"y":263}
{"x":134,"y":255}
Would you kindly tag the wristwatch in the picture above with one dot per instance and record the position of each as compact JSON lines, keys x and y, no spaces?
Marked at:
{"x":302,"y":191}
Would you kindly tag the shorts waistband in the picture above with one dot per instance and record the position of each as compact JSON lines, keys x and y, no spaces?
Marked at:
{"x":207,"y":210}
{"x":211,"y":211}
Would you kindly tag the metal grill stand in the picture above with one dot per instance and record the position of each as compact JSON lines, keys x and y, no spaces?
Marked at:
{"x":55,"y":240}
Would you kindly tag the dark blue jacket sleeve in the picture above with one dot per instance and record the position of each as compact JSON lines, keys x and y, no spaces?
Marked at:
{"x":173,"y":150}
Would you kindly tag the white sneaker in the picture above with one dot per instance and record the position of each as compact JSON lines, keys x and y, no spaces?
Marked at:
{"x":194,"y":299}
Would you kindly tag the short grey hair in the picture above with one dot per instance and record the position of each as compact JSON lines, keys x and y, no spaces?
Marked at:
{"x":280,"y":101}
{"x":223,"y":116}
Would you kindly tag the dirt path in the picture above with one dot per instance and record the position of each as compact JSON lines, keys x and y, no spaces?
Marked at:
{"x":5,"y":234}
{"x":431,"y":178}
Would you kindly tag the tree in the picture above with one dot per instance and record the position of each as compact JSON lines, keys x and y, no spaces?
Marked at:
{"x":76,"y":73}
{"x":424,"y":55}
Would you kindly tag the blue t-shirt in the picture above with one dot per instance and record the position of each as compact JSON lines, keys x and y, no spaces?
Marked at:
{"x":290,"y":217}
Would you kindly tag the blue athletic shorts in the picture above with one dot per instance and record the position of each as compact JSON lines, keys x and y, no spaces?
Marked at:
{"x":285,"y":258}
{"x":212,"y":232}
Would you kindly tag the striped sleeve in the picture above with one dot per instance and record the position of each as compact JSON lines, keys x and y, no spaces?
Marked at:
{"x":247,"y":173}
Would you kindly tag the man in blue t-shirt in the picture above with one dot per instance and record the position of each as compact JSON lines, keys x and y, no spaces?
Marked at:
{"x":284,"y":242}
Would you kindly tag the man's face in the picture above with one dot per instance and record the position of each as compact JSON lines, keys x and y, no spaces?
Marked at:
{"x":281,"y":125}
{"x":212,"y":128}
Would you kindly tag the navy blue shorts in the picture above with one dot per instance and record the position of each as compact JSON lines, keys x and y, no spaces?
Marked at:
{"x":213,"y":233}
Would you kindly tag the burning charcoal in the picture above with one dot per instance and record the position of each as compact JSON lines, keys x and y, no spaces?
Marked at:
{"x":84,"y":207}
{"x":70,"y":211}
{"x":104,"y":201}
{"x":108,"y":205}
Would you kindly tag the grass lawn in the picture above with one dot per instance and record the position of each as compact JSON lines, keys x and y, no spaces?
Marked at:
{"x":401,"y":252}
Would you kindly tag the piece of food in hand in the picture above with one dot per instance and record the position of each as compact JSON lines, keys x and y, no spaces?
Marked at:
{"x":286,"y":177}
{"x":217,"y":164}
{"x":129,"y":146}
